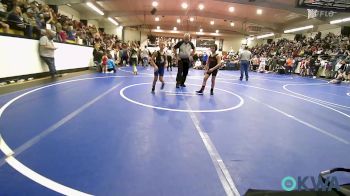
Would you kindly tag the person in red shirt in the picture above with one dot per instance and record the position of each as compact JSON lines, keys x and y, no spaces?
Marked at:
{"x":104,"y":62}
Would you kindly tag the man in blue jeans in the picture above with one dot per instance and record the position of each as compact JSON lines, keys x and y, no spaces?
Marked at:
{"x":47,"y":52}
{"x":245,"y":57}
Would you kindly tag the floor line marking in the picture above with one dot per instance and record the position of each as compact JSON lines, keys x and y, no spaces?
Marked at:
{"x":24,"y":170}
{"x":311,"y":98}
{"x":291,"y":95}
{"x":39,"y":179}
{"x":302,"y":122}
{"x":55,"y":126}
{"x":240,"y":104}
{"x":126,"y":71}
{"x":187,"y":95}
{"x":221,"y":169}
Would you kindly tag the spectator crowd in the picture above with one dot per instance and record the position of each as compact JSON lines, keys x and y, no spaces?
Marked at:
{"x":330,"y":53}
{"x":32,"y":18}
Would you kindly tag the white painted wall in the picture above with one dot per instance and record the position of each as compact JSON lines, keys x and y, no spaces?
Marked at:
{"x":21,"y":57}
{"x":144,"y":38}
{"x":325,"y":29}
{"x":132,"y":35}
{"x":233,"y":43}
{"x":68,"y":11}
{"x":112,"y":29}
{"x":93,"y":22}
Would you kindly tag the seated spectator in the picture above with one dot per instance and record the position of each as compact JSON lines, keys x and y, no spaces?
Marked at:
{"x":9,"y":4}
{"x":30,"y":20}
{"x":4,"y":26}
{"x":110,"y":64}
{"x":338,"y":79}
{"x":3,"y":7}
{"x":198,"y":65}
{"x":3,"y":16}
{"x":70,"y":32}
{"x":255,"y":63}
{"x":16,"y":21}
{"x":34,"y":8}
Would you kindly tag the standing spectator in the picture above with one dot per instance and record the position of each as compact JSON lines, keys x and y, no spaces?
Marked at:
{"x":289,"y":65}
{"x":134,"y":57}
{"x":263,"y":63}
{"x":169,"y":55}
{"x":47,"y":51}
{"x":204,"y":58}
{"x":104,"y":62}
{"x":245,"y":57}
{"x":185,"y":46}
{"x":97,"y":54}
{"x":145,"y":56}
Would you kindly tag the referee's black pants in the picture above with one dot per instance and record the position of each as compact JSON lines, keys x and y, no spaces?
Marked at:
{"x":182,"y":71}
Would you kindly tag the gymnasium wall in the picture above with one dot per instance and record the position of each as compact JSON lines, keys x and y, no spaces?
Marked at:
{"x":68,"y":11}
{"x":93,"y":22}
{"x":234,"y":43}
{"x":132,"y":35}
{"x":112,"y":29}
{"x":20,"y":57}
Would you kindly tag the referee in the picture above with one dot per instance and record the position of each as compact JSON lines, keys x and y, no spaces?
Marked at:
{"x":186,"y":51}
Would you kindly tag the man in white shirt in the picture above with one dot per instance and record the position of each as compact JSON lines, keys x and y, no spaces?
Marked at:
{"x":245,"y":57}
{"x":47,"y":51}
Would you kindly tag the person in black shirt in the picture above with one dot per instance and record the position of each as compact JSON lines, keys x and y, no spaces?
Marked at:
{"x":159,"y":64}
{"x":186,"y":50}
{"x":211,"y":68}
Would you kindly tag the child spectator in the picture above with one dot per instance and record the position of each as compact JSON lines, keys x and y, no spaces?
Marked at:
{"x":110,"y":64}
{"x":104,"y":62}
{"x":262,"y":65}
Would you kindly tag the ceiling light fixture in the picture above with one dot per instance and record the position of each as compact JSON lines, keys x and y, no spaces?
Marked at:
{"x":92,"y":6}
{"x":184,"y":5}
{"x":259,"y":11}
{"x":158,"y":27}
{"x":178,"y":20}
{"x":231,"y":9}
{"x":175,"y":29}
{"x":232,"y":24}
{"x":217,"y":31}
{"x":339,"y":21}
{"x":113,"y":21}
{"x":201,"y":6}
{"x":154,"y":3}
{"x":212,"y":22}
{"x":156,"y":19}
{"x":191,"y":19}
{"x":299,"y":29}
{"x":265,"y":36}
